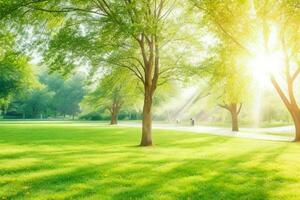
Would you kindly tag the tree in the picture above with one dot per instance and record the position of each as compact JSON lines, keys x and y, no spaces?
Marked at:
{"x":229,"y":24}
{"x":137,"y":35}
{"x":279,"y":18}
{"x":37,"y":102}
{"x":285,"y":17}
{"x":52,"y":96}
{"x":232,"y":87}
{"x":68,"y":93}
{"x":127,"y":34}
{"x":229,"y":79}
{"x":115,"y":91}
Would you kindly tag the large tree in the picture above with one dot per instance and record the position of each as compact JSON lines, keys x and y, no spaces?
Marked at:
{"x":269,"y":18}
{"x":285,"y":17}
{"x":137,"y":35}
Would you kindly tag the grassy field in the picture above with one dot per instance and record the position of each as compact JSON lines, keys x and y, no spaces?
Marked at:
{"x":93,"y":161}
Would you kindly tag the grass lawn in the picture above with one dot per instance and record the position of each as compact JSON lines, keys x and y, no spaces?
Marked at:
{"x":91,"y":161}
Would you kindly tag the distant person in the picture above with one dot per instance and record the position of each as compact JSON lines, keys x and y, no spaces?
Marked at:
{"x":177,"y":121}
{"x":192,"y":121}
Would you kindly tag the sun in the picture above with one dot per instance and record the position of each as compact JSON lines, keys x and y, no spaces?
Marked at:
{"x":266,"y":57}
{"x":263,"y":65}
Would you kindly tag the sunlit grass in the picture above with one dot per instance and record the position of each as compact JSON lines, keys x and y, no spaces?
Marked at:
{"x":89,"y":161}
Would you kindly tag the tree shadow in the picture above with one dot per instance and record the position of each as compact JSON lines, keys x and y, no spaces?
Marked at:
{"x":210,"y":179}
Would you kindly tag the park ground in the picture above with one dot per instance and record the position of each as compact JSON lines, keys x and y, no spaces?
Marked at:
{"x":97,"y":161}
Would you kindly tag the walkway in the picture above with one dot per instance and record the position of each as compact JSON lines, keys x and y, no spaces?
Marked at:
{"x":275,"y":134}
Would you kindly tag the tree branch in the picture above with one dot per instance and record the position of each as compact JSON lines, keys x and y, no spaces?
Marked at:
{"x":240,"y":108}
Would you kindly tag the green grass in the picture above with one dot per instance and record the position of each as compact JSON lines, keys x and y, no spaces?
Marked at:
{"x":91,"y":161}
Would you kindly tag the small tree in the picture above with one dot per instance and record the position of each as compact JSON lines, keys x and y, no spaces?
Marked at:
{"x":229,"y":80}
{"x":114,"y":92}
{"x":233,"y":89}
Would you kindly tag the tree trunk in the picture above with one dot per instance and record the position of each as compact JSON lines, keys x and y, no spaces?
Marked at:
{"x":4,"y":112}
{"x":234,"y":120}
{"x":290,"y":104}
{"x":147,"y":121}
{"x":234,"y":110}
{"x":114,"y":111}
{"x":114,"y":119}
{"x":296,"y":118}
{"x":297,"y":130}
{"x":151,"y":59}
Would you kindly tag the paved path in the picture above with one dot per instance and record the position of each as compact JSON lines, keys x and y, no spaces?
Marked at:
{"x":275,"y":134}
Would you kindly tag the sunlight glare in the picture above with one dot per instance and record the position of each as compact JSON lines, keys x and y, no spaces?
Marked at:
{"x":263,"y":65}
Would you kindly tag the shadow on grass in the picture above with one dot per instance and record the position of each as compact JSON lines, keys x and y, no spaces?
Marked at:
{"x":209,"y":179}
{"x":190,"y":179}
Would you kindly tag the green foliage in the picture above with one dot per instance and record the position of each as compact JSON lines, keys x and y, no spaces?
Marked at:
{"x":54,"y":97}
{"x":37,"y":102}
{"x":229,"y":79}
{"x":95,"y":116}
{"x":67,"y":93}
{"x":15,"y":74}
{"x":82,"y":33}
{"x":117,"y":90}
{"x":231,"y":25}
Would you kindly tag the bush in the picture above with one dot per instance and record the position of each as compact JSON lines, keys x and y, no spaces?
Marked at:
{"x":94,"y":116}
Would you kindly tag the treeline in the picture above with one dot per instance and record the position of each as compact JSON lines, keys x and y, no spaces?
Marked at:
{"x":52,"y":96}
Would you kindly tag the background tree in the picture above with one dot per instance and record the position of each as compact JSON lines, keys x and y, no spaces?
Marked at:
{"x":230,"y":82}
{"x":114,"y":92}
{"x":52,"y":97}
{"x":67,"y":93}
{"x":230,"y":79}
{"x":229,"y":24}
{"x":37,"y":102}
